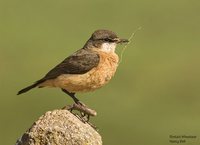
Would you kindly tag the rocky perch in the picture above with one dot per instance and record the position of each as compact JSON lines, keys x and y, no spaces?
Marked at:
{"x":60,"y":127}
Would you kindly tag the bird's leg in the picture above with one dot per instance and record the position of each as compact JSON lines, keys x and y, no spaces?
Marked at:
{"x":72,"y":95}
{"x":84,"y":110}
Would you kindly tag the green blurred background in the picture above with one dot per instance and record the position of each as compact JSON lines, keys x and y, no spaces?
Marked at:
{"x":155,"y":92}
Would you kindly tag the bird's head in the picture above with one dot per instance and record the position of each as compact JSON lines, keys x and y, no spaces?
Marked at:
{"x":104,"y":40}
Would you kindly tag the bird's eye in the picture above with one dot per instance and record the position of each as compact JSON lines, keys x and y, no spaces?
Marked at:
{"x":108,"y":40}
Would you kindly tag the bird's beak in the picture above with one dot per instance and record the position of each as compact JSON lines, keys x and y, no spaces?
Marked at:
{"x":120,"y":41}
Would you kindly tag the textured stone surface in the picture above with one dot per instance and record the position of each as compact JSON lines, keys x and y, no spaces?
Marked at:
{"x":60,"y":127}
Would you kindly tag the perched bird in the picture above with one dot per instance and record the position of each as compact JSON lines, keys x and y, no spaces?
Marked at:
{"x":87,"y":69}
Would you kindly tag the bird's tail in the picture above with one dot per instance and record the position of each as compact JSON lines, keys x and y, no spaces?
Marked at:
{"x":30,"y":87}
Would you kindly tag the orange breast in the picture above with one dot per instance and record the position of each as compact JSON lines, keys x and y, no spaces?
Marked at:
{"x":106,"y":69}
{"x":94,"y":79}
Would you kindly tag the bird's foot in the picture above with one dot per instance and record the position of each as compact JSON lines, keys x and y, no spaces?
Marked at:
{"x":85,"y":120}
{"x":85,"y":112}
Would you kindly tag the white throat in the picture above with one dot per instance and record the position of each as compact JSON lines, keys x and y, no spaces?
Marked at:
{"x":108,"y":47}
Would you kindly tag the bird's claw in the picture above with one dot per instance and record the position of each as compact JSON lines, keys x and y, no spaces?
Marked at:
{"x":85,"y":112}
{"x":79,"y":106}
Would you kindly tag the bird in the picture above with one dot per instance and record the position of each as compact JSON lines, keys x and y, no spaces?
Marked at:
{"x":87,"y":69}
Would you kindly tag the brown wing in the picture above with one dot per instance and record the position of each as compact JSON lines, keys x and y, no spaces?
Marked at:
{"x":80,"y":62}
